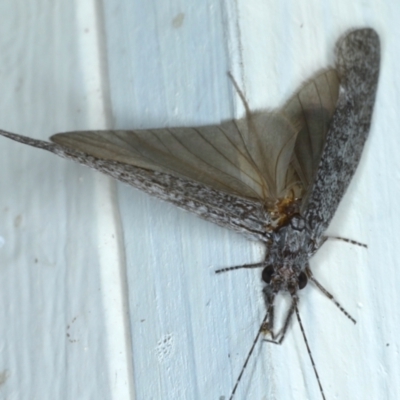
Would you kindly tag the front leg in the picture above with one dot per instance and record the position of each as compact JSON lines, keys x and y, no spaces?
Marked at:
{"x":268,"y":325}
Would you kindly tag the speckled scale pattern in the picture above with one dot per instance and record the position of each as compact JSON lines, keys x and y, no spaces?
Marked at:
{"x":357,"y":59}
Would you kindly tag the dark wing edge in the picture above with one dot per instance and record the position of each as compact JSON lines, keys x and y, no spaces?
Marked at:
{"x":357,"y":61}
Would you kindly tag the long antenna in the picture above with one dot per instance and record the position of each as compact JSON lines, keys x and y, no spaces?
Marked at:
{"x":309,"y":352}
{"x":248,"y":356}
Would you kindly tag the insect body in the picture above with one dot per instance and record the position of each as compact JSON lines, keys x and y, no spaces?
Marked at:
{"x":276,"y":177}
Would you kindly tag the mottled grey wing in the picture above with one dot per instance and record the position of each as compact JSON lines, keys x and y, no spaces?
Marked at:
{"x":357,"y":58}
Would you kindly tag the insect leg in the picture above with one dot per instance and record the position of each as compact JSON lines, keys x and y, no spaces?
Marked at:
{"x":244,"y":266}
{"x":329,"y":295}
{"x":241,"y":95}
{"x":346,"y":240}
{"x":281,"y":334}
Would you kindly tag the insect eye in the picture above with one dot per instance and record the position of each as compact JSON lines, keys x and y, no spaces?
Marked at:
{"x":267,"y":273}
{"x":302,"y":280}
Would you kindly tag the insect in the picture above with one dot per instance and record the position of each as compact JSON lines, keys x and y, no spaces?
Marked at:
{"x":276,"y":177}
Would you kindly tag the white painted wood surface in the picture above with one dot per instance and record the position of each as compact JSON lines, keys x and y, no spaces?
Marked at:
{"x":106,"y":293}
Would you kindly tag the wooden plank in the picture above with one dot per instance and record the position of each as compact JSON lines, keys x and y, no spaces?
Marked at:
{"x":69,"y":319}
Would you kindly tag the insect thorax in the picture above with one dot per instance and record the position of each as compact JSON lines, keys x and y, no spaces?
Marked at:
{"x":282,"y":211}
{"x":287,"y":256}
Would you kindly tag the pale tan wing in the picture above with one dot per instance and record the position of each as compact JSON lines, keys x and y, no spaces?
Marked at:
{"x":310,"y":111}
{"x":261,"y":157}
{"x":235,"y":157}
